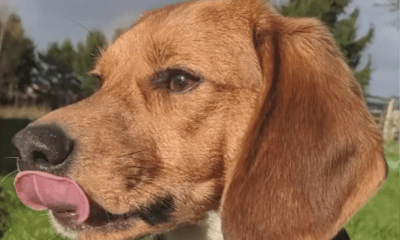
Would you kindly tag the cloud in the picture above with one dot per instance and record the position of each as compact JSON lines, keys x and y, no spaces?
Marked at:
{"x":122,"y":21}
{"x":385,"y":82}
{"x":385,"y":48}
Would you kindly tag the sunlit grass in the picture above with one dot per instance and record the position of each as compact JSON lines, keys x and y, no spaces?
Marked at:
{"x":30,"y":112}
{"x":23,"y":223}
{"x":379,"y":219}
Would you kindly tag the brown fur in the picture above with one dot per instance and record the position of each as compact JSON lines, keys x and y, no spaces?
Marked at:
{"x":311,"y":157}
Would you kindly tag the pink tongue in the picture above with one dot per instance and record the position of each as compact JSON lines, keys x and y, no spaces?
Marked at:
{"x":39,"y":191}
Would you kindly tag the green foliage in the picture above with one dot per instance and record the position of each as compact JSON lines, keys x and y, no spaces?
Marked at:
{"x":60,"y":61}
{"x":14,"y":42}
{"x":86,"y":58}
{"x":379,"y":219}
{"x":62,"y":69}
{"x":13,"y":45}
{"x":52,"y":71}
{"x":27,"y":69}
{"x":58,"y":70}
{"x":63,"y":57}
{"x":4,"y":216}
{"x":24,"y":223}
{"x":344,"y":29}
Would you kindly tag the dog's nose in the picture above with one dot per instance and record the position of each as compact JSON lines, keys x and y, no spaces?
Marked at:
{"x":42,"y":147}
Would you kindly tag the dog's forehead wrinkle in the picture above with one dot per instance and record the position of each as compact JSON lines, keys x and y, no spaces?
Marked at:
{"x":186,"y":29}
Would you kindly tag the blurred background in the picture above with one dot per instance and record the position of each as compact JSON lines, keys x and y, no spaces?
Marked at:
{"x":48,"y":47}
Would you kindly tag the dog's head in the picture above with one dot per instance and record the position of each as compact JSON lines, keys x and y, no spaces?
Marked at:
{"x":165,"y":136}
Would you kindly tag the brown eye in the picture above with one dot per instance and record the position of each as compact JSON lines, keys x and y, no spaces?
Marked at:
{"x":180,"y":83}
{"x":176,"y":80}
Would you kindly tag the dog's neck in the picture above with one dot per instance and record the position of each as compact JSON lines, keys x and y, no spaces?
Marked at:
{"x":207,"y":229}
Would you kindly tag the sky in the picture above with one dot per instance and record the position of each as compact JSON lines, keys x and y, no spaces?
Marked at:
{"x":46,"y":21}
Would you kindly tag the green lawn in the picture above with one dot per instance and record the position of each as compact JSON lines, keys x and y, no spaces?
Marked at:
{"x":23,"y":223}
{"x":378,"y":220}
{"x":30,"y":112}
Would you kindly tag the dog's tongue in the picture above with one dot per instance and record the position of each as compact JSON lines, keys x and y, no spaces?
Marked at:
{"x":39,"y":190}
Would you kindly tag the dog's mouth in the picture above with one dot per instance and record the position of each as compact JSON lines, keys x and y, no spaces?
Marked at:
{"x":98,"y":219}
{"x":67,"y":202}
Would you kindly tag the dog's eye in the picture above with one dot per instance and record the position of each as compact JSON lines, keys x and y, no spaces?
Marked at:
{"x":180,"y":83}
{"x":177,"y":80}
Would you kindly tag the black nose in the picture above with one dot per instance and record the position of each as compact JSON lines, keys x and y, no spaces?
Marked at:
{"x":42,"y":147}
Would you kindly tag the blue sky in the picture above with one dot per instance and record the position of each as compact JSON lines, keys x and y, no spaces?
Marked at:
{"x":54,"y":20}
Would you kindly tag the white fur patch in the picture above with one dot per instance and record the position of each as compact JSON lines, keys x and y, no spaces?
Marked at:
{"x":61,"y":229}
{"x":208,"y":229}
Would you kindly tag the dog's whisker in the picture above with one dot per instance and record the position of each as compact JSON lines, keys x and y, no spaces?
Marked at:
{"x":108,"y":217}
{"x":128,"y":214}
{"x":11,"y":157}
{"x":8,"y":176}
{"x":100,"y":49}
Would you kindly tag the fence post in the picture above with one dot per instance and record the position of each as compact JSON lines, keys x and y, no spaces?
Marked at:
{"x":388,"y":118}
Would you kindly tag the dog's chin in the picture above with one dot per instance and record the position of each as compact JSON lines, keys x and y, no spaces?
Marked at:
{"x":71,"y":230}
{"x":61,"y":229}
{"x":99,"y":220}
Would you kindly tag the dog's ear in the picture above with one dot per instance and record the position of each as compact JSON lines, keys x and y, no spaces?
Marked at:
{"x":312,"y":155}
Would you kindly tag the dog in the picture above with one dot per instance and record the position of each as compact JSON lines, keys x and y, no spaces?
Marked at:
{"x":214,"y":120}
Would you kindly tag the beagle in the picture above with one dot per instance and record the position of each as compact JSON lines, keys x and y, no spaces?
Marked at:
{"x":220,"y":119}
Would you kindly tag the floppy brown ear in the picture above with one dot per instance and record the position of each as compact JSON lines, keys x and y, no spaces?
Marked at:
{"x":312,"y":155}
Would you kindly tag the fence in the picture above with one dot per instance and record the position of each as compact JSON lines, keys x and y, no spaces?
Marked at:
{"x":386,"y":114}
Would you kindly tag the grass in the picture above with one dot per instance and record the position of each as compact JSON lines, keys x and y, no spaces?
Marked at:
{"x":378,"y":220}
{"x":23,"y":223}
{"x":29,"y":112}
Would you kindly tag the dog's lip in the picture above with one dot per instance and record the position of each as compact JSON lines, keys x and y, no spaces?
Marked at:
{"x":97,"y":217}
{"x":40,"y":190}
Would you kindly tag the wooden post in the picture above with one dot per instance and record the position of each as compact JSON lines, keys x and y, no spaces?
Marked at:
{"x":386,"y":125}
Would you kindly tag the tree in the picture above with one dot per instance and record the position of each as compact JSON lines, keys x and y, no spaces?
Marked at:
{"x":5,"y":13}
{"x":28,"y":69}
{"x":343,"y":29}
{"x":64,"y":56}
{"x":14,"y":44}
{"x":86,"y":58}
{"x":57,"y":72}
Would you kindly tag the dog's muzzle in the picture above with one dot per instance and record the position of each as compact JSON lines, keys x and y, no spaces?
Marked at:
{"x":44,"y":155}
